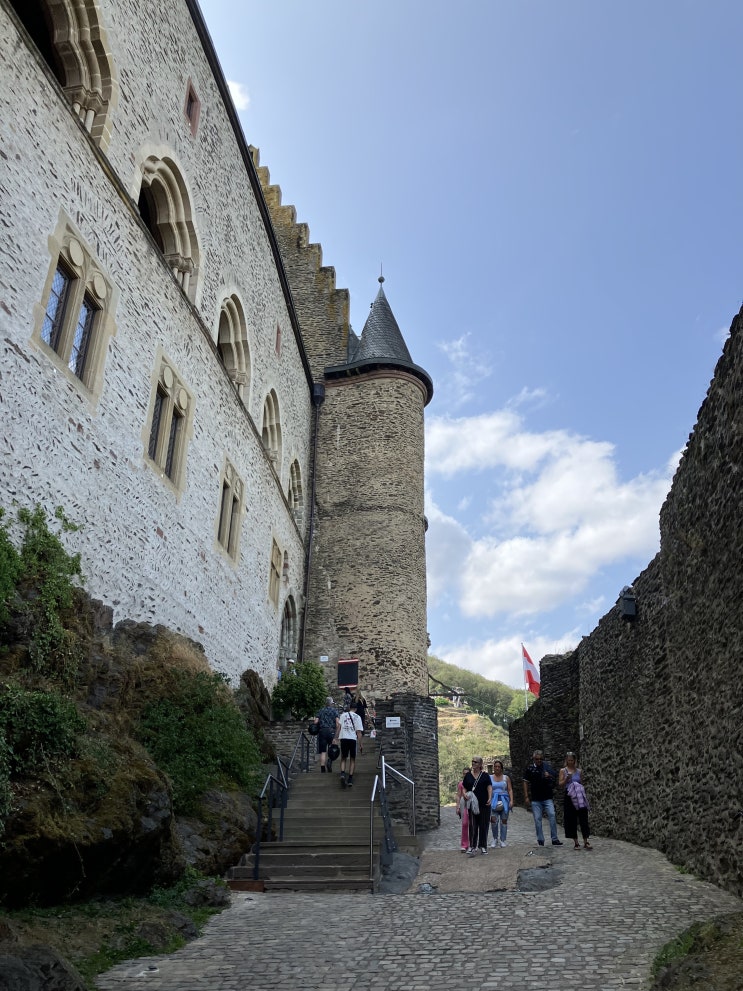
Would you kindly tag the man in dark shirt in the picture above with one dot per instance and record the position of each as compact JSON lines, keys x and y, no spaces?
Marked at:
{"x":325,"y":719}
{"x":540,"y":777}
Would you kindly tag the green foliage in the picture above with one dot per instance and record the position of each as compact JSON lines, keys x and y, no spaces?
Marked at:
{"x":48,"y":576}
{"x":99,"y":934}
{"x":36,"y":730}
{"x":492,"y":698}
{"x":676,"y":949}
{"x":302,"y":691}
{"x":53,"y":650}
{"x":37,"y":727}
{"x":6,"y":795}
{"x":198,"y":736}
{"x":460,"y":739}
{"x":10,"y":568}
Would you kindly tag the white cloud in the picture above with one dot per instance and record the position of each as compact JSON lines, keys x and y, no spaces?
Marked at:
{"x":500,"y":660}
{"x":560,"y":516}
{"x":447,"y":547}
{"x":239,"y":95}
{"x":467,"y":369}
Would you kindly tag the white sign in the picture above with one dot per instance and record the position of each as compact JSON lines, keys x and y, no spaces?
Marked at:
{"x":323,"y":658}
{"x":392,"y":722}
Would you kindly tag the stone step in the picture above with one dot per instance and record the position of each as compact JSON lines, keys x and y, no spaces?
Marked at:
{"x":272,"y":856}
{"x":323,"y":883}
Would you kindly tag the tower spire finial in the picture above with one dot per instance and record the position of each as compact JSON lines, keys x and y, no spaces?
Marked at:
{"x":380,"y":280}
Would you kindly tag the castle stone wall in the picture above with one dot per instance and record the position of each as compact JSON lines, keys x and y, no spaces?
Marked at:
{"x":148,"y":550}
{"x":660,"y":697}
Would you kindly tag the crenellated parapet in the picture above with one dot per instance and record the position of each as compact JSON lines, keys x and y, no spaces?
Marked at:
{"x":323,"y":310}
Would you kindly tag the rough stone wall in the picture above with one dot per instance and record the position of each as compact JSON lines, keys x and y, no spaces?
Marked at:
{"x":148,"y":551}
{"x":551,"y":723}
{"x":367,"y":593}
{"x":413,"y":749}
{"x":323,"y":309}
{"x":660,"y":696}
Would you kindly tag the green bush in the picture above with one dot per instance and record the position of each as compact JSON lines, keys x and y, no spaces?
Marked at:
{"x":48,"y":577}
{"x":198,"y":736}
{"x":53,"y":650}
{"x":302,"y":691}
{"x":37,"y":727}
{"x":10,"y":568}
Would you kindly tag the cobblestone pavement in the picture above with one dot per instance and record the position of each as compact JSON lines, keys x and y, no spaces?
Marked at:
{"x":596,"y":925}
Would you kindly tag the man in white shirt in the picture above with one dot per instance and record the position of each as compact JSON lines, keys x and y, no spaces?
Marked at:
{"x":348,"y":730}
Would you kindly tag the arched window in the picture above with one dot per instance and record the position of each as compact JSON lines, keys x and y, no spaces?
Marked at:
{"x":165,"y":207}
{"x":296,"y":496}
{"x":232,"y":344}
{"x":69,"y":35}
{"x":271,"y":431}
{"x":288,"y":643}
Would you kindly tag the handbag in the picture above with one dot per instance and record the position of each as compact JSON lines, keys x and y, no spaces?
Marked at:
{"x":313,"y":729}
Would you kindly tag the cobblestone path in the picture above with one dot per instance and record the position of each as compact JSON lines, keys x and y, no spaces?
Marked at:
{"x":596,"y":928}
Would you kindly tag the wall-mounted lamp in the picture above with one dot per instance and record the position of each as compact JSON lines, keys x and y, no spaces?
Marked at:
{"x":627,"y":603}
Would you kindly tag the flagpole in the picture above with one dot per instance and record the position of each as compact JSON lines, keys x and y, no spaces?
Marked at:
{"x":523,"y":672}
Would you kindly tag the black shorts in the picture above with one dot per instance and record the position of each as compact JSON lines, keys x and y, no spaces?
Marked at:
{"x":348,"y":748}
{"x":323,"y":742}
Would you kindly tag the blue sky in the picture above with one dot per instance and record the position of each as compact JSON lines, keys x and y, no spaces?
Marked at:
{"x":554,"y":192}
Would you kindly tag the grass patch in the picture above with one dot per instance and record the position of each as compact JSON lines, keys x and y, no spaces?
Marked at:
{"x":96,"y":935}
{"x":679,"y":947}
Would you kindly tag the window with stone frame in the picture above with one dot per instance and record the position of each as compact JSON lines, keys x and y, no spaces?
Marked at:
{"x":164,"y":204}
{"x":169,"y":425}
{"x":295,"y":495}
{"x":289,"y":634}
{"x":274,"y":580}
{"x":71,"y":39}
{"x":271,"y":430}
{"x":230,"y":510}
{"x":192,"y":108}
{"x":77,"y":317}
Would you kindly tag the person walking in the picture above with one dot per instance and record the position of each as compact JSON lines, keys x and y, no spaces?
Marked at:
{"x":361,"y":707}
{"x":575,"y":806}
{"x":478,"y":794}
{"x":463,"y":813}
{"x":326,"y":720}
{"x":539,"y":780}
{"x":501,"y":804}
{"x":349,"y":729}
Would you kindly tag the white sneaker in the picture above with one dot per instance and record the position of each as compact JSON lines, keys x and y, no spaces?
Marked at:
{"x":483,"y":850}
{"x":503,"y":843}
{"x":493,"y":844}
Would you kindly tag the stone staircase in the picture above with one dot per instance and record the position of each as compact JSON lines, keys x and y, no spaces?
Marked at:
{"x":326,"y":835}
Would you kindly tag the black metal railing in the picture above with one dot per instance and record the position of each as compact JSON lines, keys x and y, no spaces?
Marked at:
{"x":275,"y":793}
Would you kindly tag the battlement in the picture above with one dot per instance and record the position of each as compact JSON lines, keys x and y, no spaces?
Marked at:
{"x":322,"y":308}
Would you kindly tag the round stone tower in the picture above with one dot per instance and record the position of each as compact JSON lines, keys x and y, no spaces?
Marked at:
{"x":367,"y":570}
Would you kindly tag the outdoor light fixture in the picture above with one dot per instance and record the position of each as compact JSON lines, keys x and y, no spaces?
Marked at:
{"x":627,"y":603}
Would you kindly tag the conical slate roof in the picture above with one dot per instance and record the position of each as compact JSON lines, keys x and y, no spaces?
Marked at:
{"x":381,"y":337}
{"x":380,"y":346}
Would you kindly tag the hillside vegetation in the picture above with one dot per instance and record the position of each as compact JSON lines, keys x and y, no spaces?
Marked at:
{"x":479,"y":726}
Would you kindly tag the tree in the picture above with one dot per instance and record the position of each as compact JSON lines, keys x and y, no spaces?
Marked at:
{"x":302,"y":691}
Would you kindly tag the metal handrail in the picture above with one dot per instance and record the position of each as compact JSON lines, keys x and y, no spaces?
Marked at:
{"x":388,"y":767}
{"x":371,"y":827}
{"x":277,"y":786}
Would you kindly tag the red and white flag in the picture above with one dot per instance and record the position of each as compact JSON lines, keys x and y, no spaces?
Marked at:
{"x":531,"y":675}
